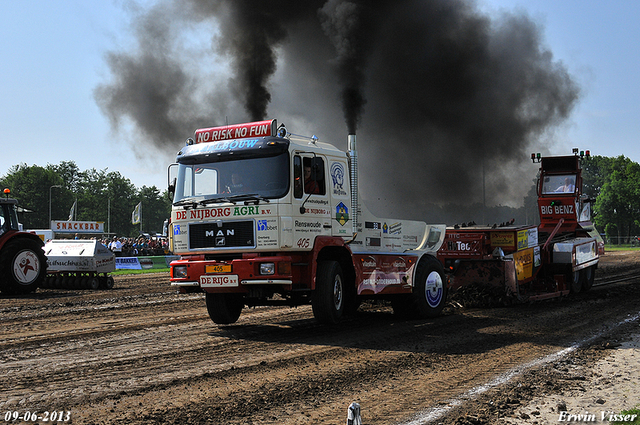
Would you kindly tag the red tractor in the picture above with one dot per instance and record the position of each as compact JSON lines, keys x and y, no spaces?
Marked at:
{"x":23,"y":265}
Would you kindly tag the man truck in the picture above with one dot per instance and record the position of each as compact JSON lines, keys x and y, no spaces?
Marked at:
{"x":261,"y":216}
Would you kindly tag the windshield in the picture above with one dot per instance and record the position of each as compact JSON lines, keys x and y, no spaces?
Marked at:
{"x":262,"y":177}
{"x":561,"y":183}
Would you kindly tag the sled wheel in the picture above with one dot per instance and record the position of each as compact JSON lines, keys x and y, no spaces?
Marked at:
{"x":224,"y":309}
{"x":23,"y":266}
{"x":94,"y":283}
{"x":589,"y":275}
{"x":327,"y":300}
{"x":108,"y":282}
{"x":576,"y":282}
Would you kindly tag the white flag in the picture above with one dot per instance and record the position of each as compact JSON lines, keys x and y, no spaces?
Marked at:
{"x":73,"y":209}
{"x":136,"y":215}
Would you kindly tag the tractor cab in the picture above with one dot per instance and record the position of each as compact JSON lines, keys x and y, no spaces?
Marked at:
{"x":8,"y":214}
{"x":561,"y":206}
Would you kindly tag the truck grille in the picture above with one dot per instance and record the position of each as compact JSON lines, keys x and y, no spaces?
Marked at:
{"x":221,"y":235}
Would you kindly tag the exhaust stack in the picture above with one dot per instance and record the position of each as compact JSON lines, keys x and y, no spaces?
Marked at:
{"x":353,"y":181}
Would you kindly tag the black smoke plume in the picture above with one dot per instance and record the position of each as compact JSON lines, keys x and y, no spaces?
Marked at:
{"x":350,"y":26}
{"x":453,"y":97}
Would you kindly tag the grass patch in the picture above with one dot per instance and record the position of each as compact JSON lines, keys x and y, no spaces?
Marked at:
{"x":623,"y":247}
{"x":629,"y":414}
{"x":121,"y":272}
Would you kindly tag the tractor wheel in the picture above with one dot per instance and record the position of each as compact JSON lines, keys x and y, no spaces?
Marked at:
{"x":327,"y":300}
{"x":23,"y":266}
{"x":429,"y":292}
{"x":224,"y":309}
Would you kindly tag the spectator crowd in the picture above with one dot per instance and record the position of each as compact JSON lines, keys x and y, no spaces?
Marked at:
{"x":134,"y":247}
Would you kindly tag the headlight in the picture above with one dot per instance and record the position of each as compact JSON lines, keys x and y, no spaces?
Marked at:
{"x":180,"y":272}
{"x":267,"y":268}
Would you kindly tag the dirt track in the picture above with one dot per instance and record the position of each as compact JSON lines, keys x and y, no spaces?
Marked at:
{"x":142,"y":354}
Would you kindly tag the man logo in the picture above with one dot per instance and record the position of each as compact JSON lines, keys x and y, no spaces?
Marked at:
{"x":229,"y":232}
{"x":220,"y":241}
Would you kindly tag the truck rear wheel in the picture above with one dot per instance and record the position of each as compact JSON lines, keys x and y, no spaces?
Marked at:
{"x":224,"y":309}
{"x":23,"y":266}
{"x":429,"y":292}
{"x":328,"y":298}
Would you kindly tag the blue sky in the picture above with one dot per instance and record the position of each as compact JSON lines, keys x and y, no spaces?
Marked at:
{"x":52,"y":56}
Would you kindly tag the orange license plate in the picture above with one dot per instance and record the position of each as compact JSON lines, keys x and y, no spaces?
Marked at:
{"x":218,"y":268}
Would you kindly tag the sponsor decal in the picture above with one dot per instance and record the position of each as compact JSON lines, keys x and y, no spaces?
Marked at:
{"x":317,"y":211}
{"x":503,"y":239}
{"x":372,"y":225}
{"x":236,"y":131}
{"x":307,"y":225}
{"x":203,"y":214}
{"x":373,"y":242}
{"x":381,"y":279}
{"x":342,"y":214}
{"x":524,"y":261}
{"x":557,"y":209}
{"x":337,"y":178}
{"x":369,"y":263}
{"x":392,"y":229}
{"x":434,"y":289}
{"x":130,"y":263}
{"x":399,"y":264}
{"x":527,"y":238}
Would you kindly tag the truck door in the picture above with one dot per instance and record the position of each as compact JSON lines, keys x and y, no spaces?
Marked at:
{"x":310,"y":199}
{"x":339,"y":192}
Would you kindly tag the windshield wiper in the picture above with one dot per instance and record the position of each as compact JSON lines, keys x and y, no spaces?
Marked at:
{"x":235,"y":198}
{"x":187,"y":201}
{"x":247,"y":197}
{"x":214,"y":200}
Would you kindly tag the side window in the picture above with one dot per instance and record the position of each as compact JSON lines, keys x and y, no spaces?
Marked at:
{"x":314,"y":181}
{"x":297,"y":176}
{"x":2,"y":219}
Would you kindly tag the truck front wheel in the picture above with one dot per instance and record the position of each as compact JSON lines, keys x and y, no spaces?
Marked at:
{"x":23,"y":266}
{"x":328,"y":298}
{"x":224,"y":309}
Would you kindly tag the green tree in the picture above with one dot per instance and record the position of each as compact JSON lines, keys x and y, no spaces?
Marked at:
{"x":156,"y":208}
{"x":618,"y":205}
{"x":122,"y":200}
{"x":101,"y":196}
{"x":31,"y":186}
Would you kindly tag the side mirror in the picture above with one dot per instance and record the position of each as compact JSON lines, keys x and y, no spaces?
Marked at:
{"x":171,"y":190}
